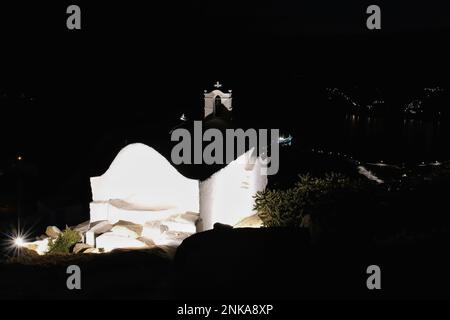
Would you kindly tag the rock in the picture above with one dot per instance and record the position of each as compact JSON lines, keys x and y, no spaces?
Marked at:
{"x":53,"y":232}
{"x":28,"y":253}
{"x":82,"y":227}
{"x":149,"y":242}
{"x":176,"y":226}
{"x":153,"y":230}
{"x":92,"y":250}
{"x":42,"y":237}
{"x":100,"y":226}
{"x":110,"y":241}
{"x":188,"y":217}
{"x":228,"y":262}
{"x":39,"y":246}
{"x":127,"y":229}
{"x":96,"y":228}
{"x":81,"y":247}
{"x":161,"y":235}
{"x":253,"y":221}
{"x":221,"y":226}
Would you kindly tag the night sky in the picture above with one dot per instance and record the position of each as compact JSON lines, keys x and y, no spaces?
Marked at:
{"x":133,"y":68}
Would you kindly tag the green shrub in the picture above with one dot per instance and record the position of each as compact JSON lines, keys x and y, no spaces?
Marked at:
{"x":65,"y":241}
{"x":310,"y":195}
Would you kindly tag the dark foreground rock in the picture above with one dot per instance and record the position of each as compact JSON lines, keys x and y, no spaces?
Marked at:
{"x":137,"y":274}
{"x":268,"y":264}
{"x":280,"y":263}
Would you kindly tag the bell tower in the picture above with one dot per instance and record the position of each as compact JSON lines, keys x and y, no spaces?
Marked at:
{"x":216,"y":98}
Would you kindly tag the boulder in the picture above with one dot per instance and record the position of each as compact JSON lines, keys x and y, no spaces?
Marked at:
{"x":96,"y":228}
{"x":39,"y":246}
{"x":53,"y":232}
{"x":176,"y":226}
{"x":92,"y":250}
{"x":221,"y":226}
{"x":42,"y":237}
{"x":127,"y":229}
{"x":153,"y":230}
{"x":253,"y":221}
{"x":244,"y":262}
{"x":149,"y":242}
{"x":81,"y":247}
{"x":161,"y":235}
{"x":82,"y":227}
{"x":110,"y":241}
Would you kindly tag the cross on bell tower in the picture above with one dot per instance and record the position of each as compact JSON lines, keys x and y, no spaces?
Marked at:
{"x":217,"y":85}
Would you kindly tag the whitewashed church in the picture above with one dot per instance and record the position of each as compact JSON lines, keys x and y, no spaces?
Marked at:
{"x":143,"y":200}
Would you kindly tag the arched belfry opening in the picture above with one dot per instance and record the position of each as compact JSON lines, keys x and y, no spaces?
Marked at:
{"x":216,"y":100}
{"x":217,"y":104}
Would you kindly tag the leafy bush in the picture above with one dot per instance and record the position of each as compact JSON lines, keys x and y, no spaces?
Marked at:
{"x":65,"y":241}
{"x":313,"y":196}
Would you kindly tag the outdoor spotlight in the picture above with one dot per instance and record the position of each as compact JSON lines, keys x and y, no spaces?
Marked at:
{"x":19,"y":242}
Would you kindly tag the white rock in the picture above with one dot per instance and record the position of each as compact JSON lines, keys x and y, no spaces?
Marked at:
{"x":127,"y":229}
{"x":96,"y":228}
{"x":39,"y":246}
{"x":172,"y":239}
{"x":253,"y":221}
{"x":80,"y":247}
{"x":188,"y":217}
{"x":82,"y":227}
{"x":153,"y":231}
{"x":115,"y":210}
{"x":110,"y":241}
{"x":91,"y":250}
{"x":179,"y":226}
{"x":149,"y":242}
{"x":52,"y":232}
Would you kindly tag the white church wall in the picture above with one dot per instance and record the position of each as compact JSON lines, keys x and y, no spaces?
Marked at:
{"x":140,"y":185}
{"x":227,"y":196}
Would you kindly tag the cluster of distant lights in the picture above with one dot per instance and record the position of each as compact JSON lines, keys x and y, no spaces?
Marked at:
{"x":434,"y":89}
{"x":413,"y":107}
{"x":331,"y":153}
{"x":338,"y":92}
{"x":381,"y":163}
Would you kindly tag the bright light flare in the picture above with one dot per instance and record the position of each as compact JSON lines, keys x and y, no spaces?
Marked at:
{"x":19,"y":242}
{"x":16,"y":241}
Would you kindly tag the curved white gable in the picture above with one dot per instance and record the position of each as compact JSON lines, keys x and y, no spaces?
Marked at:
{"x":141,"y":176}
